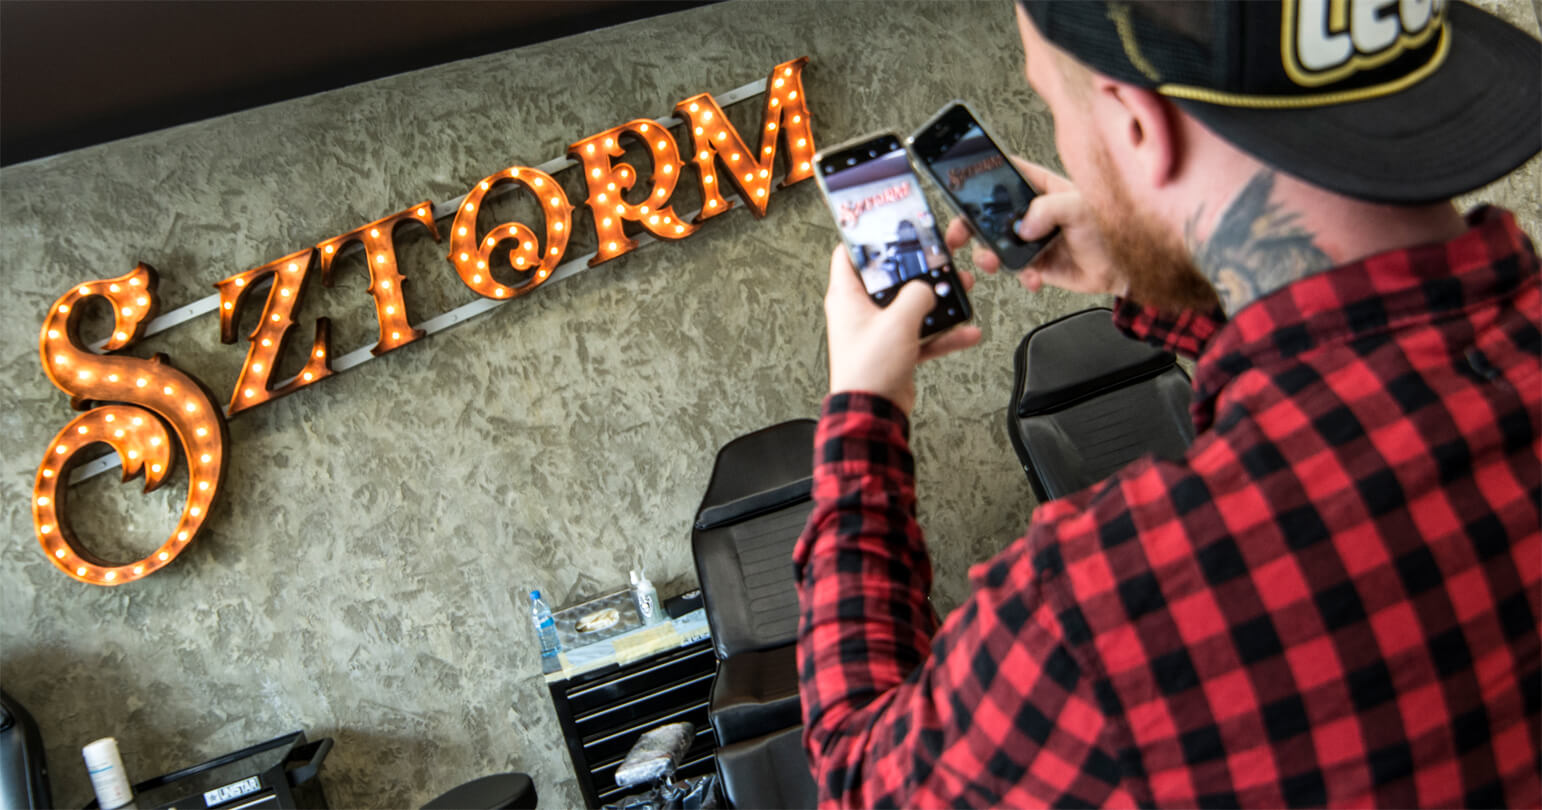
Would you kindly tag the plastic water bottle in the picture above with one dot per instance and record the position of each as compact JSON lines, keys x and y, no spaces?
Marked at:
{"x":545,"y":628}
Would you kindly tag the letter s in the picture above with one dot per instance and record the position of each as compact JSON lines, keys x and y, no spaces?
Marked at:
{"x":157,"y":393}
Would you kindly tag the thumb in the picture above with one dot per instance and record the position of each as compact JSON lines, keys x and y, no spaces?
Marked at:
{"x":915,"y":299}
{"x":1047,"y":212}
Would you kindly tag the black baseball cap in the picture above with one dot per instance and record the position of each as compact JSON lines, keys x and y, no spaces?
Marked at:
{"x":1391,"y":101}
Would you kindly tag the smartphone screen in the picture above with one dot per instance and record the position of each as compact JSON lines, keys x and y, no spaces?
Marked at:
{"x":982,"y":184}
{"x":887,"y":226}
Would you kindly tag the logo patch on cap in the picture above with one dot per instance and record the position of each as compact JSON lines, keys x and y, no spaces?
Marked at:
{"x":1325,"y":41}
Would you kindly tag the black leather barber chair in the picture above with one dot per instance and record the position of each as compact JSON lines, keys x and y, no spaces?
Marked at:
{"x":23,"y":770}
{"x":1088,"y":400}
{"x":755,"y":506}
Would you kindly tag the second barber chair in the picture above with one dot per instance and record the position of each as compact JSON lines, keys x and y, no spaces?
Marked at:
{"x":1088,"y":400}
{"x":756,"y":503}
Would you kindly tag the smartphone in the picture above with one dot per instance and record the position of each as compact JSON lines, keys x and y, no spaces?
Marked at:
{"x":970,"y":167}
{"x":875,"y":195}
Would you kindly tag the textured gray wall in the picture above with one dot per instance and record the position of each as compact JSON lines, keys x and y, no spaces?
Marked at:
{"x":362,"y":577}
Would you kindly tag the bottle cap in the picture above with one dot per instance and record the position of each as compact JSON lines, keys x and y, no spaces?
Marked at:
{"x":535,"y":594}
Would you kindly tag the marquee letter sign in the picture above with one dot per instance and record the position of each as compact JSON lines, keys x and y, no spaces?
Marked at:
{"x":140,"y":407}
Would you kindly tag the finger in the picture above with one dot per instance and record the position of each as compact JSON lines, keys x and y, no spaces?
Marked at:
{"x":1031,"y":280}
{"x":915,"y":299}
{"x":957,"y":235}
{"x":966,"y":278}
{"x":985,"y":259}
{"x":1048,"y":212}
{"x":1045,"y":180}
{"x":959,"y":337}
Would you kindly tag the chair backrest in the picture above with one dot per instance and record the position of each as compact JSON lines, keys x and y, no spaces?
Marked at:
{"x":23,"y":767}
{"x":1087,"y":400}
{"x":756,"y":504}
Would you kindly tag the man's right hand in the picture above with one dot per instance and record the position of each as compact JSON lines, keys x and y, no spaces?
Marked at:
{"x":1077,"y":260}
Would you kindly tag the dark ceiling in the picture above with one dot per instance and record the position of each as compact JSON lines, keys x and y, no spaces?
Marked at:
{"x":78,"y":73}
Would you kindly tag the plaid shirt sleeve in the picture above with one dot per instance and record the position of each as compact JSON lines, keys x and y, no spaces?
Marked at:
{"x":995,"y":708}
{"x":1185,"y":333}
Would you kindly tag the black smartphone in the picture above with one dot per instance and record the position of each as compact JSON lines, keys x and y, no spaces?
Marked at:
{"x":875,"y":195}
{"x":971,"y":168}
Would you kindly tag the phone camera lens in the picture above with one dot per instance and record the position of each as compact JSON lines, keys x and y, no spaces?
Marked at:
{"x":872,"y":153}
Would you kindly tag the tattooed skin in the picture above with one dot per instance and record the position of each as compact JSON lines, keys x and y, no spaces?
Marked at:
{"x":1256,"y":248}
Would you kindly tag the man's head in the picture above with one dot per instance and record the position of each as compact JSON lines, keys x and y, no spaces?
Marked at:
{"x":1164,"y":110}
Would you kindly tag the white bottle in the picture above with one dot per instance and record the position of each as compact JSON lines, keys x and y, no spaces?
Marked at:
{"x":647,"y":598}
{"x":108,"y":778}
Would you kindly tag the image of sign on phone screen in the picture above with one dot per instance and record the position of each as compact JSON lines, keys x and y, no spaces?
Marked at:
{"x":981,"y":182}
{"x":885,"y":221}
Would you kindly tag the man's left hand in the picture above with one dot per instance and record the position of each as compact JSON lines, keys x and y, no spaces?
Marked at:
{"x":876,"y":349}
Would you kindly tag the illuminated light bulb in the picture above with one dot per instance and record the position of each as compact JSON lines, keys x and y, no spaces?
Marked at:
{"x":390,"y":310}
{"x":53,"y":334}
{"x":679,"y":229}
{"x":64,"y":308}
{"x":642,"y":209}
{"x":48,"y":473}
{"x":376,"y":231}
{"x":113,"y":288}
{"x":202,"y":432}
{"x":797,"y":118}
{"x":380,"y":259}
{"x":465,"y":256}
{"x":484,"y":185}
{"x":669,"y":169}
{"x":284,"y":291}
{"x":537,"y":182}
{"x":257,"y":367}
{"x":128,"y":311}
{"x":666,"y":220}
{"x":84,"y":375}
{"x":774,"y":102}
{"x":556,"y":226}
{"x":82,"y":430}
{"x":385,"y":285}
{"x":694,"y":107}
{"x":206,"y":458}
{"x":643,"y":128}
{"x":309,"y":376}
{"x":476,"y":279}
{"x":519,"y":261}
{"x":112,"y":378}
{"x":329,"y":249}
{"x":163,"y":556}
{"x":760,"y":192}
{"x":293,"y":267}
{"x":182,"y":535}
{"x":498,"y":292}
{"x":461,"y":232}
{"x":711,"y":203}
{"x":771,"y":127}
{"x":84,"y":290}
{"x":121,"y":336}
{"x":139,"y":569}
{"x":659,"y":194}
{"x":703,"y":155}
{"x":602,"y":197}
{"x":767,"y":150}
{"x":721,"y":135}
{"x":620,"y":209}
{"x":608,"y":220}
{"x":734,"y":157}
{"x":138,"y":421}
{"x":792,"y":95}
{"x":168,"y":391}
{"x":611,"y":246}
{"x":110,"y":418}
{"x":609,"y":142}
{"x":595,"y":174}
{"x":275,"y":317}
{"x":110,"y":576}
{"x":778,"y":83}
{"x":61,"y":450}
{"x":653,"y":220}
{"x":491,"y":241}
{"x":250,"y":393}
{"x":43,"y":501}
{"x":142,"y":301}
{"x":59,"y":553}
{"x":141,"y":382}
{"x":554,"y":251}
{"x":481,"y":265}
{"x":321,"y":353}
{"x":192,"y":407}
{"x":610,"y":186}
{"x":155,"y":441}
{"x":470,"y":207}
{"x":699,"y":130}
{"x":203,"y":486}
{"x":764,"y":173}
{"x":803,"y":166}
{"x":803,"y":141}
{"x":59,"y":358}
{"x":267,"y":342}
{"x":590,"y":149}
{"x":422,"y":212}
{"x":133,"y":454}
{"x":787,"y":72}
{"x":623,"y":171}
{"x":229,"y":305}
{"x":81,"y":571}
{"x":749,"y":177}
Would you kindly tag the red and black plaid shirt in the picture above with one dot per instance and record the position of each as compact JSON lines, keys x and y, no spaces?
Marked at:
{"x":1332,"y":599}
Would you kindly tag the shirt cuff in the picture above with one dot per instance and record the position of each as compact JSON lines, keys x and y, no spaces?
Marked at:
{"x":1186,"y":332}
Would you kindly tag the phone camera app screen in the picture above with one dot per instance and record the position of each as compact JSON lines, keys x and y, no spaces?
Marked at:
{"x":885,"y":220}
{"x":985,"y":185}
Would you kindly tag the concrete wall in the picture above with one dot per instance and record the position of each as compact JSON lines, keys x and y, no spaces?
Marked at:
{"x":362,"y":576}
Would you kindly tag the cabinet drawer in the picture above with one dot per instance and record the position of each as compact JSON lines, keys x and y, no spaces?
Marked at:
{"x":613,"y":746}
{"x":622,"y":686}
{"x":644,"y":707}
{"x":703,"y":748}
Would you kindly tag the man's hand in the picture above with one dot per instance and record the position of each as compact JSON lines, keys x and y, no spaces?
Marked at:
{"x":1077,"y":261}
{"x":876,"y":349}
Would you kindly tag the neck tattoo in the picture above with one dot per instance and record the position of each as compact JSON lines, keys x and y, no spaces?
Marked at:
{"x":1257,"y":247}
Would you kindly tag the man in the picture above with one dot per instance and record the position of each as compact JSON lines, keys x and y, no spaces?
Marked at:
{"x":1333,"y":597}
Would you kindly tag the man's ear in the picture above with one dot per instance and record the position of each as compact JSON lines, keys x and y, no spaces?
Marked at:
{"x":1144,"y":126}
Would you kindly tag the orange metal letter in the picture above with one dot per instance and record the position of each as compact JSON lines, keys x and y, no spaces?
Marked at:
{"x":607,"y":182}
{"x":267,"y":339}
{"x":385,"y":281}
{"x":785,"y":114}
{"x":469,"y":253}
{"x":158,"y":395}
